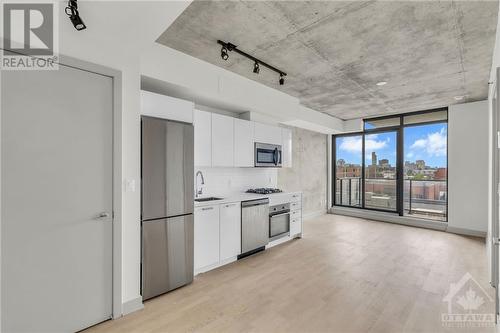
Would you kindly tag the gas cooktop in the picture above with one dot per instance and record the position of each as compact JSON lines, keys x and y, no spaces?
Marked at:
{"x":264,"y":190}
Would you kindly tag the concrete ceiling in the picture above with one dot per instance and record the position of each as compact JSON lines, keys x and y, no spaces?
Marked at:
{"x":335,"y":52}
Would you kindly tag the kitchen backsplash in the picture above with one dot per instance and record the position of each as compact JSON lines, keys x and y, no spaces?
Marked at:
{"x":226,"y":181}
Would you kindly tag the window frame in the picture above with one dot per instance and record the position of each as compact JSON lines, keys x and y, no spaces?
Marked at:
{"x":399,"y":129}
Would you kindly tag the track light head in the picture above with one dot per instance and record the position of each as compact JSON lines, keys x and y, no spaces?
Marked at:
{"x":256,"y":68}
{"x":223,"y":53}
{"x":282,"y":80}
{"x":74,"y":16}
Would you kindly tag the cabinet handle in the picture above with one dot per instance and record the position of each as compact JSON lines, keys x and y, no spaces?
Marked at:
{"x":207,"y":208}
{"x":230,"y":205}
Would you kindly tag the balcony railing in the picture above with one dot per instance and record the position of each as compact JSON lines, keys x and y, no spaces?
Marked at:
{"x":421,"y":198}
{"x":426,"y":198}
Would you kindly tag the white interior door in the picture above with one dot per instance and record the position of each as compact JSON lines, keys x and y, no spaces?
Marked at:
{"x":56,"y":139}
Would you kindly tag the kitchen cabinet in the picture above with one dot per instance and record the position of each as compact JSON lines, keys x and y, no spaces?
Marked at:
{"x":295,"y":226}
{"x":217,"y":230}
{"x":264,"y":133}
{"x":166,"y":107}
{"x":230,"y":230}
{"x":243,"y":143}
{"x":222,"y":141}
{"x":206,"y":236}
{"x":202,"y":138}
{"x":286,"y":153}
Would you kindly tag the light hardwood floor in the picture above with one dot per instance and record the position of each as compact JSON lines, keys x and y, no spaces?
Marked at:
{"x":345,"y":275}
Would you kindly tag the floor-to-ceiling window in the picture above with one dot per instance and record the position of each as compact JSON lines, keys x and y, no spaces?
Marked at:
{"x":426,"y":166}
{"x":396,"y":164}
{"x":348,"y":170}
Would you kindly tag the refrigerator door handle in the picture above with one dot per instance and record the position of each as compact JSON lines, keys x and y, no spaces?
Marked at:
{"x":102,"y":216}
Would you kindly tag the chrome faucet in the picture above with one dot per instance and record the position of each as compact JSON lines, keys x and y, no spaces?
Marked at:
{"x":199,"y":191}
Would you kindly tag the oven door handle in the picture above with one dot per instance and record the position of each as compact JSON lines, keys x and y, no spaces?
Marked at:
{"x":280,"y":214}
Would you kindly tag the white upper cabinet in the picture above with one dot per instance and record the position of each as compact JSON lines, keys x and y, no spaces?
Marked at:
{"x":202,"y":138}
{"x":243,"y":143}
{"x":286,"y":153}
{"x":230,"y":230}
{"x":267,"y":134}
{"x":222,"y":141}
{"x":166,"y":107}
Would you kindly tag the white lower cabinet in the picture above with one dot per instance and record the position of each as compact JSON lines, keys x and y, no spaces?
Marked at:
{"x":217,"y":230}
{"x":206,"y":237}
{"x":230,"y":230}
{"x":295,"y":226}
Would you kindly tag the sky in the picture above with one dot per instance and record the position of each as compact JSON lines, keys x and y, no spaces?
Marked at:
{"x":425,"y":142}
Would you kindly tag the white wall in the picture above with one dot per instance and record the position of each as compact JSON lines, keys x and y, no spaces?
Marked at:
{"x":227,"y":181}
{"x":468,"y":166}
{"x":493,"y":199}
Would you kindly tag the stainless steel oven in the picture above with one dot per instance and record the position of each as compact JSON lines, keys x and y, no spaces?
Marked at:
{"x":279,"y":221}
{"x":267,"y":155}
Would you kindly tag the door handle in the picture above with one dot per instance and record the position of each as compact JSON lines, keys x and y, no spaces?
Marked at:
{"x":102,"y":216}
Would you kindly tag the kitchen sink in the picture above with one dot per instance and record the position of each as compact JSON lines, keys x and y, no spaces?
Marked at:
{"x":207,"y":199}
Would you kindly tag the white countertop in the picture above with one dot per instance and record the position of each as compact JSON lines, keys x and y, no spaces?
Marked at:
{"x":236,"y":197}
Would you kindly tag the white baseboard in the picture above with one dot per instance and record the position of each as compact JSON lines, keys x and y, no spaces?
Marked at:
{"x":132,"y":306}
{"x":388,"y":217}
{"x":405,"y":220}
{"x":466,"y":232}
{"x":313,"y":215}
{"x":214,"y":266}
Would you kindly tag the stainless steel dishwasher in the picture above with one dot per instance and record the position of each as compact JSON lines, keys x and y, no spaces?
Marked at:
{"x":254,"y":226}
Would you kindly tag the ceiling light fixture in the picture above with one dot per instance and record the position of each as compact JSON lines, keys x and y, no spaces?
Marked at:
{"x":381,"y":83}
{"x":256,"y":68}
{"x":74,"y":16}
{"x":459,"y":98}
{"x":223,"y":53}
{"x":228,"y":47}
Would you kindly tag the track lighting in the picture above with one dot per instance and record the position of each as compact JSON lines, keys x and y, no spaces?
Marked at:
{"x":228,"y":47}
{"x":72,"y":11}
{"x":256,"y":68}
{"x":223,"y":53}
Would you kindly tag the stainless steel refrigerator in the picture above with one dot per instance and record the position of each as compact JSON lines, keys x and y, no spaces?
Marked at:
{"x":167,"y":159}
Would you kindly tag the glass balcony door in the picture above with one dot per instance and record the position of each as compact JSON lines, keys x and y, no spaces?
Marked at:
{"x":380,"y":170}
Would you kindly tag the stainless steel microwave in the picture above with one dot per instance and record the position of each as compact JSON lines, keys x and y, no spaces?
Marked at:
{"x":267,"y":155}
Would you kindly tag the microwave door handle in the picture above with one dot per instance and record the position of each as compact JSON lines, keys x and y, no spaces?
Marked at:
{"x":275,"y":156}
